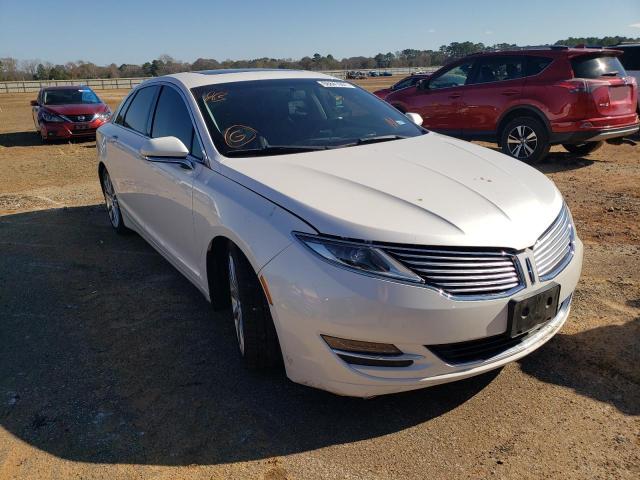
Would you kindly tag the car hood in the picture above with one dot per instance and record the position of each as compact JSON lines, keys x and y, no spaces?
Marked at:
{"x":77,"y":109}
{"x":427,"y":190}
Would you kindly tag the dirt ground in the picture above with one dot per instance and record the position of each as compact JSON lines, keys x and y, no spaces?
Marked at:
{"x":113,"y":366}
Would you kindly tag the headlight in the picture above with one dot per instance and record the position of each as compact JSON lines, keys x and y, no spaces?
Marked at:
{"x":103,"y":116}
{"x":358,"y":257}
{"x":50,"y":117}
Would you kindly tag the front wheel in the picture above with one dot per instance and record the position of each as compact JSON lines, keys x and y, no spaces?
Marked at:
{"x":526,"y":139}
{"x":255,"y":332}
{"x":583,"y":148}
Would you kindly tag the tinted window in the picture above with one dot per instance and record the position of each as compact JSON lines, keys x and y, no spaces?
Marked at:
{"x":172,"y":118}
{"x":407,"y":82}
{"x":631,"y":57}
{"x":246,"y":118}
{"x":122,"y":110}
{"x":137,"y":115}
{"x":455,"y":77}
{"x":196,"y":147}
{"x":535,"y":65}
{"x":596,"y":67}
{"x":499,"y":69}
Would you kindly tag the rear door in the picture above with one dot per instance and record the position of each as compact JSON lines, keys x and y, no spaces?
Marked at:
{"x":126,"y":166}
{"x":495,"y":86}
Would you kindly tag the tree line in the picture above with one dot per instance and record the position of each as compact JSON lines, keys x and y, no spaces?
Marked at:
{"x":13,"y":69}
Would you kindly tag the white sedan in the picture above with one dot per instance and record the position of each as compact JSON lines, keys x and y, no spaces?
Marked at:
{"x":366,"y":254}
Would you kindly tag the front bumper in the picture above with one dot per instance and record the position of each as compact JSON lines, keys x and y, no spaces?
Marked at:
{"x":66,"y":130}
{"x":312,"y":298}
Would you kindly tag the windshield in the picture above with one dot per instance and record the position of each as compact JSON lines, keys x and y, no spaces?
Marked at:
{"x":274,"y":117}
{"x":71,"y":96}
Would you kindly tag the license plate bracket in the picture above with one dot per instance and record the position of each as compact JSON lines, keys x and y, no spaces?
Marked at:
{"x":525,"y":314}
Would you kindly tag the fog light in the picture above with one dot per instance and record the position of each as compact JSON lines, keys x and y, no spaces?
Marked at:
{"x":356,"y":346}
{"x":586,"y":125}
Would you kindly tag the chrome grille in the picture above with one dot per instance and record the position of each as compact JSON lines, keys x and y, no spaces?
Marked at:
{"x":462,"y":272}
{"x":554,"y":249}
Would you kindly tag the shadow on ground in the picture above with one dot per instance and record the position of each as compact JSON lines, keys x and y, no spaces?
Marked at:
{"x":108,"y":355}
{"x":32,"y":139}
{"x":598,"y":363}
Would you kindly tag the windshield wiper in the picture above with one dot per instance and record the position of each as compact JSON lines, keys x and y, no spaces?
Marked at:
{"x":612,"y":73}
{"x":274,"y":150}
{"x":376,"y":139}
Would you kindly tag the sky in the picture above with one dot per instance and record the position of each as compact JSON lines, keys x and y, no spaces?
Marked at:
{"x":135,"y":31}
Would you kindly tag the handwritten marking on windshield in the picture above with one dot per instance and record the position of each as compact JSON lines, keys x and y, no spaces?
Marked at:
{"x":237,"y":136}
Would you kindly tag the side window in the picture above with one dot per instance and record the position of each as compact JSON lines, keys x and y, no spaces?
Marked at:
{"x":172,"y":119}
{"x":123,"y":109}
{"x":196,"y":147}
{"x":455,"y":77}
{"x":137,"y":115}
{"x":407,"y":82}
{"x":535,"y":65}
{"x":499,"y":69}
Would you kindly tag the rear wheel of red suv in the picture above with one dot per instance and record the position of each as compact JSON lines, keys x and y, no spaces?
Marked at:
{"x":525,"y":138}
{"x":583,"y":148}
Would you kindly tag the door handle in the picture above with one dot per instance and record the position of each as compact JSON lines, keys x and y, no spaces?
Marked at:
{"x":510,"y":93}
{"x":455,"y":95}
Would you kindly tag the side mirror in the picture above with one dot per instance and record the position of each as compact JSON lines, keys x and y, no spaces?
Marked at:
{"x":423,"y":84}
{"x":164,"y":147}
{"x":414,"y":117}
{"x":166,"y":150}
{"x":34,"y":103}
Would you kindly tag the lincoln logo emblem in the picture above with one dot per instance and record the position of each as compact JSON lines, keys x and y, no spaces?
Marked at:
{"x":81,"y":118}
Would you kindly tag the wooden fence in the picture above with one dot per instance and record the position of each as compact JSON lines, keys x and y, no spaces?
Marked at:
{"x":128,"y":83}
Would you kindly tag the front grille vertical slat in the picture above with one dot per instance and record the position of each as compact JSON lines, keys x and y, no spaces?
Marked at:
{"x":554,"y":249}
{"x":463,"y":272}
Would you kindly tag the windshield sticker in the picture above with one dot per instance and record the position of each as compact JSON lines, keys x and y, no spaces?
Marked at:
{"x":329,"y":84}
{"x":238,"y":136}
{"x":215,"y":96}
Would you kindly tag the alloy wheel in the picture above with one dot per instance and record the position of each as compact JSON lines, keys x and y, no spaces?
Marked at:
{"x":111,"y":200}
{"x":522,"y":141}
{"x":236,"y":304}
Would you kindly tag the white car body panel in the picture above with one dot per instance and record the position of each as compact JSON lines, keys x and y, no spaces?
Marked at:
{"x":403,"y":192}
{"x":428,"y":190}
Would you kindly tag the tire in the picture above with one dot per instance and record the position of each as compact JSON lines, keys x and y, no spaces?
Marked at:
{"x":111,"y":203}
{"x":583,"y":148}
{"x":255,"y":331}
{"x":525,"y":139}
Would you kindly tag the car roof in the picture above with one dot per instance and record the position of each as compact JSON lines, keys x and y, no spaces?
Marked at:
{"x":550,"y":51}
{"x":211,"y":77}
{"x":67,"y":87}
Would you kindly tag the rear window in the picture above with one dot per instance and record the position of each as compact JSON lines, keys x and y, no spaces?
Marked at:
{"x":631,"y":57}
{"x":596,"y":67}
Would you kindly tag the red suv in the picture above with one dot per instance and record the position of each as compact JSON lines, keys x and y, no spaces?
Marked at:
{"x":527,"y":100}
{"x":68,"y":112}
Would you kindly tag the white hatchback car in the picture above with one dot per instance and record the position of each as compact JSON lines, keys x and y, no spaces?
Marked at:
{"x":367,"y":254}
